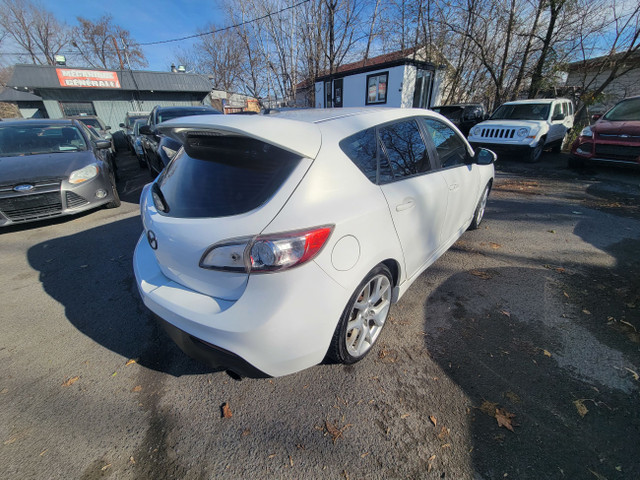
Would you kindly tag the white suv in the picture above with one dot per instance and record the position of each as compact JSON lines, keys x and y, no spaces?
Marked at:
{"x":526,"y":126}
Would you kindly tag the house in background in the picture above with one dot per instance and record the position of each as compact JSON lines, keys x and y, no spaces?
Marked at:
{"x":592,"y":73}
{"x":399,"y":79}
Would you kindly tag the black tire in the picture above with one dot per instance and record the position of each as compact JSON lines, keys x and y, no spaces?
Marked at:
{"x":339,"y":350}
{"x":115,"y":203}
{"x":557,"y":147}
{"x":535,"y":153}
{"x":141,"y":162}
{"x":478,"y":214}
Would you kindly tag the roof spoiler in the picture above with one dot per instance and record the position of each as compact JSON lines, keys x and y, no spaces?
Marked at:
{"x":301,"y":138}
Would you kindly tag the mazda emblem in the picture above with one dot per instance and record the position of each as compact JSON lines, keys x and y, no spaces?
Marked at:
{"x":153,"y":241}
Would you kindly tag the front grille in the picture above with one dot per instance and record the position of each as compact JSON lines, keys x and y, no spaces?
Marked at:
{"x":622,"y":138}
{"x":39,"y":186}
{"x":74,"y":200}
{"x":31,"y":207}
{"x":498,"y":132}
{"x":618,"y":152}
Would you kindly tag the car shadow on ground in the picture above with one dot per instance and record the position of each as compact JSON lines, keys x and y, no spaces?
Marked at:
{"x":91,"y":274}
{"x":560,"y":357}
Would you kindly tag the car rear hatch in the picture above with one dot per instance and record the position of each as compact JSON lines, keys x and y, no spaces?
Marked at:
{"x":231,"y":179}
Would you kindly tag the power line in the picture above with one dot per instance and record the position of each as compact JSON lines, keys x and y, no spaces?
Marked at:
{"x":196,"y":35}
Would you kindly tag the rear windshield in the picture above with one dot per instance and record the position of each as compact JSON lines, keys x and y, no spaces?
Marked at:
{"x":218,"y":176}
{"x":452,"y":113}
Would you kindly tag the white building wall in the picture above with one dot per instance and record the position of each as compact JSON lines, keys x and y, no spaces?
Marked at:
{"x":355,"y":89}
{"x":408,"y":86}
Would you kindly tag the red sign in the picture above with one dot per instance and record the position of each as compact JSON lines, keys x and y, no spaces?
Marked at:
{"x":87,"y":78}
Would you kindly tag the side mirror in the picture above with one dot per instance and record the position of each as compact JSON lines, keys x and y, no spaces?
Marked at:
{"x":558,"y":116}
{"x":145,"y":130}
{"x":485,"y":156}
{"x":595,"y":117}
{"x":102,"y":144}
{"x":122,"y":125}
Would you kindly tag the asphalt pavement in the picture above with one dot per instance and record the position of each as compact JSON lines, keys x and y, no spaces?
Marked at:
{"x":516,"y":355}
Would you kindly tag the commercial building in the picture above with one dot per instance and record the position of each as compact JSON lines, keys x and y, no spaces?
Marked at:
{"x":59,"y":91}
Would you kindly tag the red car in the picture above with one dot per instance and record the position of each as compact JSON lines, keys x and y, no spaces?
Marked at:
{"x":615,"y":137}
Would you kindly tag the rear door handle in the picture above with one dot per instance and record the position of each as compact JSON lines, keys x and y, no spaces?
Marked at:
{"x":406,"y":204}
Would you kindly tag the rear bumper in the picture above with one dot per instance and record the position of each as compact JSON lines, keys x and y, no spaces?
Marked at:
{"x":282,"y":323}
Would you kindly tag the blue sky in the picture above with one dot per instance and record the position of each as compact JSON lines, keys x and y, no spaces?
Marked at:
{"x":147,"y":21}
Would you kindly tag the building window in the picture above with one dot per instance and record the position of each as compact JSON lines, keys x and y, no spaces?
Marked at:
{"x":77,"y":108}
{"x":377,"y":88}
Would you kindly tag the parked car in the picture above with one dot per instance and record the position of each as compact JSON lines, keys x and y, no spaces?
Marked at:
{"x":615,"y":136}
{"x":156,"y":156}
{"x":463,"y":115}
{"x":526,"y":127}
{"x":107,"y":153}
{"x":50,"y":168}
{"x":127,"y":126}
{"x":98,"y":124}
{"x":137,"y":141}
{"x":273,"y":241}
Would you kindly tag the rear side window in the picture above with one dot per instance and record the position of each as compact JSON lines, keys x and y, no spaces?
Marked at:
{"x":218,"y":176}
{"x":361,"y":149}
{"x":405,"y":149}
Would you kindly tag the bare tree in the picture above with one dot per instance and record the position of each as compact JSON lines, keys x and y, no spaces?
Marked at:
{"x":103,"y":44}
{"x":33,"y":29}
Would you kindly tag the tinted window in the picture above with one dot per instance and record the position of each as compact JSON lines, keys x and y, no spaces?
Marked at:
{"x":361,"y":149}
{"x":625,"y":110}
{"x":405,"y":148}
{"x":217,"y":176}
{"x":451,"y":149}
{"x":557,"y":109}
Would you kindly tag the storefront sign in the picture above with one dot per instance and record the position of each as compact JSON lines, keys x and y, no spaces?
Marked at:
{"x":87,"y":78}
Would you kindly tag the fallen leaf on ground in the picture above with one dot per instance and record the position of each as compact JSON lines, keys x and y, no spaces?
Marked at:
{"x":489,"y":408}
{"x":546,"y":353}
{"x":10,"y":441}
{"x":495,"y":246}
{"x":405,"y":415}
{"x":364,"y":454}
{"x":334,"y":431}
{"x":586,"y":312}
{"x":512,"y":396}
{"x":566,"y":294}
{"x":272,"y":455}
{"x":70,"y":381}
{"x":226,"y":411}
{"x":551,"y":231}
{"x":444,"y":432}
{"x":481,"y":273}
{"x":554,"y":267}
{"x":137,"y":388}
{"x":105,"y":467}
{"x":290,"y":461}
{"x":580,"y":406}
{"x":130,"y":362}
{"x":431,"y":459}
{"x":597,"y":475}
{"x":434,"y":420}
{"x":505,"y":313}
{"x":246,"y":432}
{"x":636,"y":377}
{"x":505,"y":419}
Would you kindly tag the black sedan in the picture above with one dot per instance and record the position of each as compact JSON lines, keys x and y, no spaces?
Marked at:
{"x":50,"y":168}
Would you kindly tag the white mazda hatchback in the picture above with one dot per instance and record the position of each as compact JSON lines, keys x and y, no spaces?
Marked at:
{"x":272,"y":242}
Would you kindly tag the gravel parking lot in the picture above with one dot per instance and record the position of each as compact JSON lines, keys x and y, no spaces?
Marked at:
{"x":516,"y":355}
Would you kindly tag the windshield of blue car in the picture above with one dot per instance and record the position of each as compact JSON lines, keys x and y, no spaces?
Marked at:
{"x":18,"y":140}
{"x":627,"y":110}
{"x":171,"y":114}
{"x":523,"y":111}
